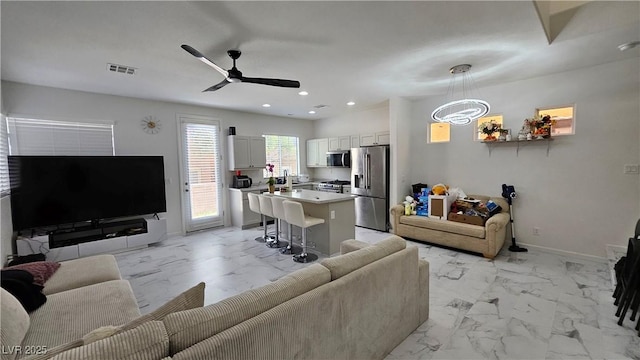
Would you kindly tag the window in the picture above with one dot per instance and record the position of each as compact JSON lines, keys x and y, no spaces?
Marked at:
{"x":439,"y":132}
{"x":4,"y":152}
{"x":564,"y":117}
{"x":282,"y":151}
{"x":46,"y":137}
{"x":478,"y":136}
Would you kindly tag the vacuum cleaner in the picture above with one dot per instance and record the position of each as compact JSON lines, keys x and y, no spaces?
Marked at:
{"x":509,"y":193}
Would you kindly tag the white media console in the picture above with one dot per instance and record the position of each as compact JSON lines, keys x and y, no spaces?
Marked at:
{"x":156,"y":231}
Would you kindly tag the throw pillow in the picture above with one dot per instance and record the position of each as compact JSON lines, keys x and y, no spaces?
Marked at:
{"x":190,"y":299}
{"x":41,"y":270}
{"x":20,"y":284}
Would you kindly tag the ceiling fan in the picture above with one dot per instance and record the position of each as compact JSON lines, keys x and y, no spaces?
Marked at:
{"x":234,"y":75}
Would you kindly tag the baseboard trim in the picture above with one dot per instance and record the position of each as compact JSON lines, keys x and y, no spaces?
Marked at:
{"x":594,"y":258}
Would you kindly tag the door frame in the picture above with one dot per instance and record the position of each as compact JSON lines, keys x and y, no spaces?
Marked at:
{"x":208,"y":120}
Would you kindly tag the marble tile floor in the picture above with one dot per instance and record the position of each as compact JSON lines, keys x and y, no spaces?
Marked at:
{"x":533,"y":305}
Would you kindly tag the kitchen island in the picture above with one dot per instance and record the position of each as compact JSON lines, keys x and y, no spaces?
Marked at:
{"x":241,"y":214}
{"x":338,"y":212}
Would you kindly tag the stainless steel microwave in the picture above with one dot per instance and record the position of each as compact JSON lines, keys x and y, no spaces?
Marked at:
{"x":339,"y":158}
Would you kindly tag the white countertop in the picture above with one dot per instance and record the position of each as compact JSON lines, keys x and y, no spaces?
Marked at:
{"x":313,"y":196}
{"x":265,"y":186}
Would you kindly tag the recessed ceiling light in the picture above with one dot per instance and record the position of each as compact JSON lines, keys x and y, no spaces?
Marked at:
{"x":266,"y":105}
{"x":312,"y":112}
{"x":303,"y":93}
{"x":351,"y":103}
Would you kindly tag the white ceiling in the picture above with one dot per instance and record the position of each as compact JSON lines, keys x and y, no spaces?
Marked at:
{"x":367,"y":52}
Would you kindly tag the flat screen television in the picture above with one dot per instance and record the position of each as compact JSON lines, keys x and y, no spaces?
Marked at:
{"x":60,"y":190}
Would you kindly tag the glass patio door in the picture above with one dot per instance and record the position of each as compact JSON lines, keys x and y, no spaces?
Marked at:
{"x":201,"y":180}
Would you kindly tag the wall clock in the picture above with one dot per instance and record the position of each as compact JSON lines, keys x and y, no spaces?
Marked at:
{"x":150,"y":125}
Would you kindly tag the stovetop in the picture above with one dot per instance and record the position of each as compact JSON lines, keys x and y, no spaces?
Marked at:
{"x":337,"y":182}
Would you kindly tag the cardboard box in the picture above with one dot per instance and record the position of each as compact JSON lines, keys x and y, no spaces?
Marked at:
{"x":467,"y":219}
{"x":438,"y":207}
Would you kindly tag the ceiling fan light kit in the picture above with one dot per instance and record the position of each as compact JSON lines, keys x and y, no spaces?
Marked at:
{"x":234,"y":75}
{"x":466,"y":109}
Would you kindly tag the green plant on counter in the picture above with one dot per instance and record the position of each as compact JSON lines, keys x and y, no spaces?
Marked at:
{"x":272,"y":180}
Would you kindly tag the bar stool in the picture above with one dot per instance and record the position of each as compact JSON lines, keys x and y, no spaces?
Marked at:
{"x":294,"y":214}
{"x":278,"y":212}
{"x":266,"y":208}
{"x":254,"y":205}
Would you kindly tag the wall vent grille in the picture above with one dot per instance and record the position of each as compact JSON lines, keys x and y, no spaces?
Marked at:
{"x":320,"y":106}
{"x":122,"y":69}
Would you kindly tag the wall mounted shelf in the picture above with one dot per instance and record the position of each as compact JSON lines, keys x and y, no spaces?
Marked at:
{"x":519,"y":143}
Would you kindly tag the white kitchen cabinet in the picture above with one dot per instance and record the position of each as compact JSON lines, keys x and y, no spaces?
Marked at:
{"x":241,"y":214}
{"x":340,"y":143}
{"x":317,"y":152}
{"x":383,"y":138}
{"x":379,"y":138}
{"x":246,"y":152}
{"x":355,"y":141}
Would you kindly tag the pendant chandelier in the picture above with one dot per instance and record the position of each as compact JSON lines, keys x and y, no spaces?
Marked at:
{"x":461,"y":107}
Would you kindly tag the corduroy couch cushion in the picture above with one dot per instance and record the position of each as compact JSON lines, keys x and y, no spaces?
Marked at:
{"x":189,"y":299}
{"x":189,"y":327}
{"x":80,"y":311}
{"x":344,"y":264}
{"x":362,"y":315}
{"x":148,"y":341}
{"x":77,"y":273}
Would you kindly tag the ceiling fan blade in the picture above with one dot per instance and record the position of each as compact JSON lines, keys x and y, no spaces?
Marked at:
{"x":272,"y":82}
{"x":218,"y":86}
{"x":204,"y":59}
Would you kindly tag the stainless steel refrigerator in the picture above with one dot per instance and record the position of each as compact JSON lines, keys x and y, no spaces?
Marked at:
{"x":370,"y":181}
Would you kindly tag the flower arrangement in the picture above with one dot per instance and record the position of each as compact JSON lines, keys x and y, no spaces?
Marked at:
{"x":272,"y":180}
{"x":540,"y":126}
{"x":488,"y":128}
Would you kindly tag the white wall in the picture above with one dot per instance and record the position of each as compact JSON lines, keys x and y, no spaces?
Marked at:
{"x":6,"y":228}
{"x":354,"y":122}
{"x":577,"y":195}
{"x":52,"y":103}
{"x":399,"y":124}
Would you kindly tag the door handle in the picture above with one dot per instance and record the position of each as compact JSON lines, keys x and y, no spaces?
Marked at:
{"x":368,"y":167}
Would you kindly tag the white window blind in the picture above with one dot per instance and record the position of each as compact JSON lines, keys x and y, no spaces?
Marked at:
{"x":47,"y":137}
{"x":4,"y":152}
{"x":203,"y":164}
{"x":283,"y":152}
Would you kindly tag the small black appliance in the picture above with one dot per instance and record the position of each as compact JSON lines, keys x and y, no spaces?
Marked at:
{"x":241,"y":181}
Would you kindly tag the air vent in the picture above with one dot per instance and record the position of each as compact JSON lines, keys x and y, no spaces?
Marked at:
{"x":320,"y":106}
{"x":122,"y":69}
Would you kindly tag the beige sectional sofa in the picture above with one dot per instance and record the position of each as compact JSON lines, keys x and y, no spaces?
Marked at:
{"x":359,"y":305}
{"x":486,"y":240}
{"x":83,"y":295}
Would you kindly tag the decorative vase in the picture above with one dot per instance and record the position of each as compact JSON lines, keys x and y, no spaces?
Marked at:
{"x":272,"y":189}
{"x":490,"y":137}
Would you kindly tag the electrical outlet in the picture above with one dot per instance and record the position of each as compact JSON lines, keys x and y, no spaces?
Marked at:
{"x":333,"y":214}
{"x":631,"y":168}
{"x":536,"y":231}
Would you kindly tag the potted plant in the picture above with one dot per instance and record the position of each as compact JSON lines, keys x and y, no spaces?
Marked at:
{"x":271,"y":181}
